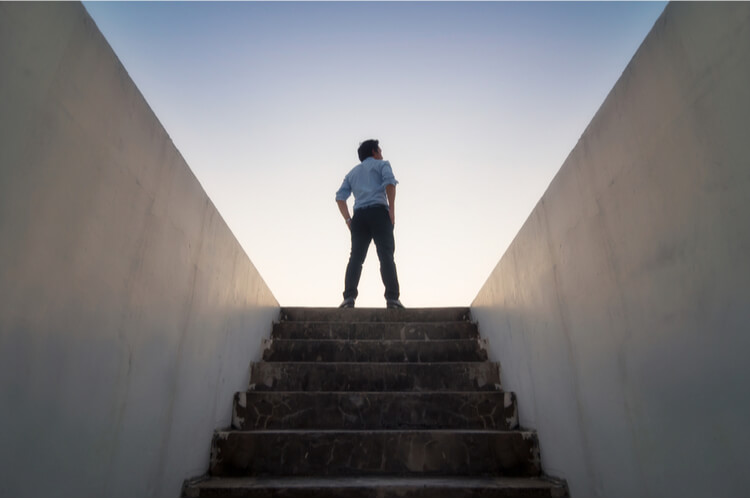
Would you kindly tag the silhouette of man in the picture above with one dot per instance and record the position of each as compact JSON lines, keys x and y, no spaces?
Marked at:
{"x":374,"y":188}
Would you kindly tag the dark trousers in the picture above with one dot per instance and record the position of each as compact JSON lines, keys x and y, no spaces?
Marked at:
{"x":372,"y":223}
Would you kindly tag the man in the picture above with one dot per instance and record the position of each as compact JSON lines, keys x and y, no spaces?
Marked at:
{"x":374,"y":188}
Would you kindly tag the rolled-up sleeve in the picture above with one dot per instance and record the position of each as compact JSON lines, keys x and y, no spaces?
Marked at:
{"x":387,"y":174}
{"x":344,"y":191}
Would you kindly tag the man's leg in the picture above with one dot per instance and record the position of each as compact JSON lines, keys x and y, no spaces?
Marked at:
{"x":361,"y":237}
{"x":382,"y":232}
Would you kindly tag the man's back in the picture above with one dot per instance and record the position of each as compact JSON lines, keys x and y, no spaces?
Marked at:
{"x":367,"y":183}
{"x":374,"y":188}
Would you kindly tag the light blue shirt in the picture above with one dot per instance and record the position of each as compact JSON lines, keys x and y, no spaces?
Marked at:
{"x":367,"y":181}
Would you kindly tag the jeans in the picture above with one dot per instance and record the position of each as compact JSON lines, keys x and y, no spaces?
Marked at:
{"x":372,"y":223}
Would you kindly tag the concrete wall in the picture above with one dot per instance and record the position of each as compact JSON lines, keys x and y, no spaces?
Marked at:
{"x":129,"y":313}
{"x":621,"y":311}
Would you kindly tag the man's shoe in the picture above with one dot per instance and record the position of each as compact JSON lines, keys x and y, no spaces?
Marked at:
{"x":347,"y":304}
{"x":394,"y":304}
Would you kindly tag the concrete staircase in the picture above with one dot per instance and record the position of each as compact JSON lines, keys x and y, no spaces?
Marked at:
{"x":375,"y":402}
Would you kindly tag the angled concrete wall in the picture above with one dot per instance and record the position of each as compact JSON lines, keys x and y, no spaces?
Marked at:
{"x":621,"y":311}
{"x":128,"y":310}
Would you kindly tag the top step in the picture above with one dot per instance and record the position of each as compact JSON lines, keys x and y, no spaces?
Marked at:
{"x":374,"y":315}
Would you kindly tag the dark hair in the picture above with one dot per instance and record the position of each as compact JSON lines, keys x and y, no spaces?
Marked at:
{"x":367,"y":148}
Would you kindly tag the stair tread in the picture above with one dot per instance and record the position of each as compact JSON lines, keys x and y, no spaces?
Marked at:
{"x":374,"y":352}
{"x":374,"y":410}
{"x":374,"y":376}
{"x":377,"y":341}
{"x":452,"y":330}
{"x":375,"y":453}
{"x":376,"y":431}
{"x":314,"y":322}
{"x":367,"y":310}
{"x":399,"y":394}
{"x":376,"y":481}
{"x":378,"y":363}
{"x":359,"y":314}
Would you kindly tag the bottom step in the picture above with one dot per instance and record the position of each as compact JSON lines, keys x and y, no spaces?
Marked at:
{"x":375,"y":487}
{"x":338,"y":453}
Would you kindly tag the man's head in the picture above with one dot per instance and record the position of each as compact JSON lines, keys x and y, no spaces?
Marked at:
{"x":369,"y":148}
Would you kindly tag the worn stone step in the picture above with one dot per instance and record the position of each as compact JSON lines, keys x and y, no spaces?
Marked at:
{"x":337,"y":453}
{"x":327,"y":330}
{"x":368,"y":314}
{"x":385,"y":486}
{"x":322,"y":376}
{"x":375,"y":351}
{"x":258,"y":410}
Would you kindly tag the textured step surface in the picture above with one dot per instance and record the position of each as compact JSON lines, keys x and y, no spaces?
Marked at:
{"x":375,"y":402}
{"x":337,"y":453}
{"x":374,"y":314}
{"x":388,"y":486}
{"x":318,"y":376}
{"x":375,"y":410}
{"x":375,"y":351}
{"x":327,"y":330}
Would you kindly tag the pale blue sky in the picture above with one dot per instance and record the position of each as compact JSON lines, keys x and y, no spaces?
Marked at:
{"x":476,"y":105}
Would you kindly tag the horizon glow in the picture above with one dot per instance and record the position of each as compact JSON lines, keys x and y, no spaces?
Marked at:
{"x":476,"y":106}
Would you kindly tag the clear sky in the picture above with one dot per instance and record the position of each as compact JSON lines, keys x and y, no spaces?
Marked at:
{"x":476,"y":105}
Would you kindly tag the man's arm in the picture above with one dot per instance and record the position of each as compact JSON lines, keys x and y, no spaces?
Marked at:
{"x":344,"y":209}
{"x":390,"y":192}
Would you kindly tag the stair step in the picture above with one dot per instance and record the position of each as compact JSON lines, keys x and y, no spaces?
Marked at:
{"x":375,"y":402}
{"x":337,"y":453}
{"x":324,"y":330}
{"x":374,"y":410}
{"x":366,"y":314}
{"x":375,"y":351}
{"x":321,"y":376}
{"x":388,"y":486}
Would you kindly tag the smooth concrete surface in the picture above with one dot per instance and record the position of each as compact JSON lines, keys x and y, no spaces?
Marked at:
{"x":620,"y":314}
{"x":129,"y":313}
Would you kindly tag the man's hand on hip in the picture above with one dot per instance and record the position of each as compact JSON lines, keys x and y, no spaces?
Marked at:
{"x":344,"y":209}
{"x":390,"y":192}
